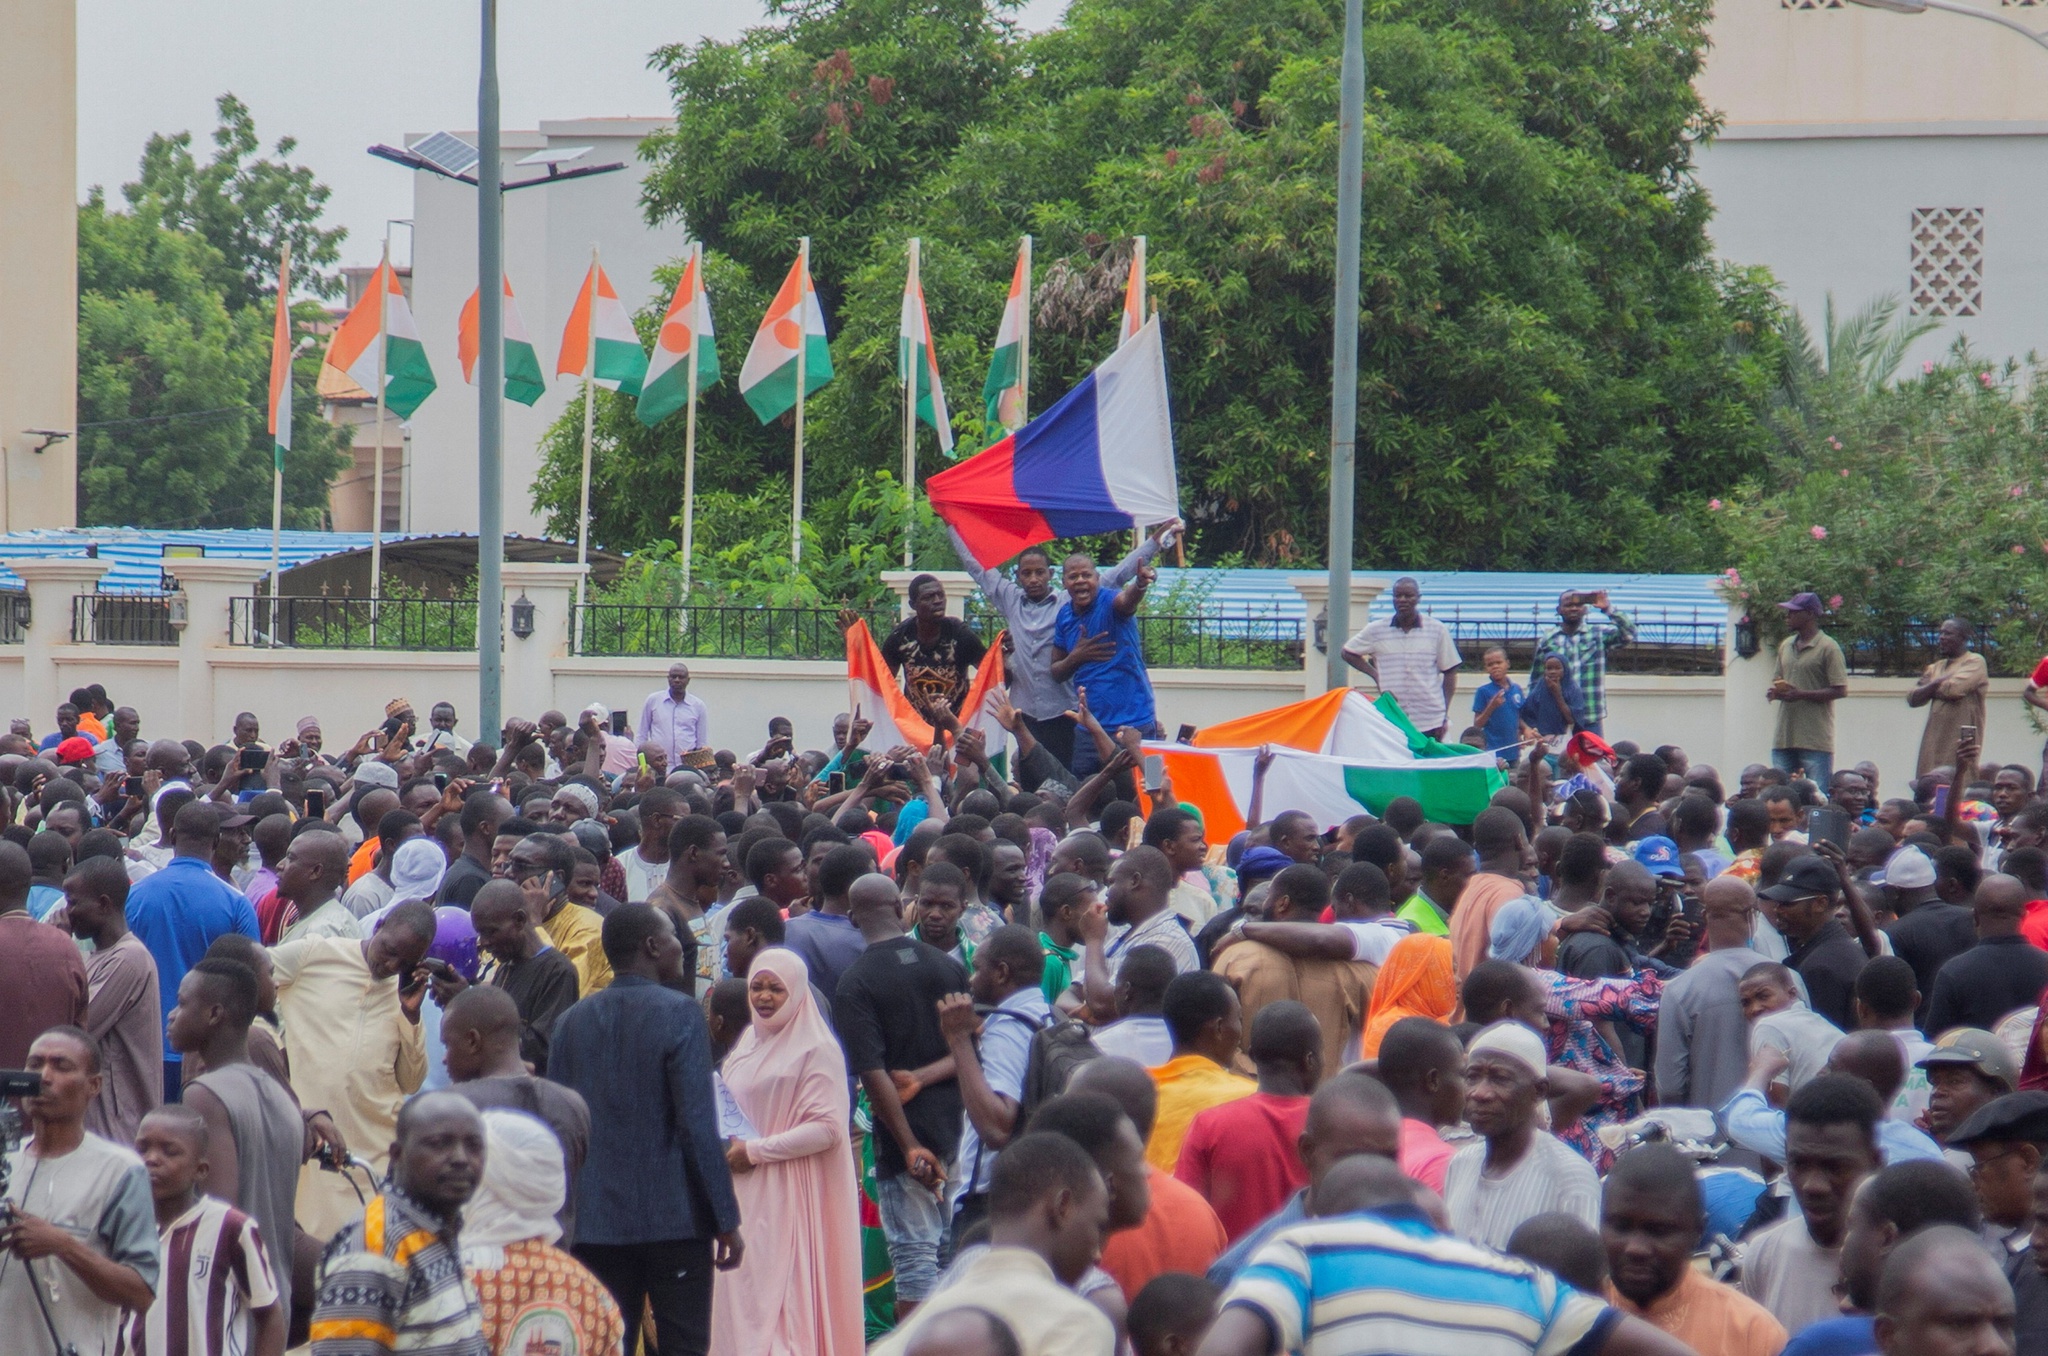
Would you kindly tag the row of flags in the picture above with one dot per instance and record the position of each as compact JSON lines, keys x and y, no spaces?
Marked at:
{"x":378,"y":345}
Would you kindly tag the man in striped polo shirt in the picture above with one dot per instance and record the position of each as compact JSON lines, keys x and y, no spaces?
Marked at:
{"x":216,"y":1295}
{"x":393,"y":1280}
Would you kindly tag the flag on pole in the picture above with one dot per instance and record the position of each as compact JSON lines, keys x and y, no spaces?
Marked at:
{"x":1134,"y":296}
{"x":875,"y":695}
{"x":1333,"y":754}
{"x":408,"y":380}
{"x":768,"y":379}
{"x":523,"y":380}
{"x":280,"y":404}
{"x":621,"y":362}
{"x":685,"y":337}
{"x":1003,"y":392}
{"x":915,"y":360}
{"x":1101,"y":460}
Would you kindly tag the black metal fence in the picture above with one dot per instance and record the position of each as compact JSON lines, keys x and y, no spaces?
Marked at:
{"x":719,"y":631}
{"x":1667,"y":640}
{"x":353,"y":623}
{"x":122,"y":619}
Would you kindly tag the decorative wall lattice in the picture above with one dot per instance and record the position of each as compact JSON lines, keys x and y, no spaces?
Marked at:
{"x":1819,"y":4}
{"x":1948,"y":261}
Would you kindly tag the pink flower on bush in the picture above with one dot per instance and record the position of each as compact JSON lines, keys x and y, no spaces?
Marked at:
{"x":2019,"y":550}
{"x":1734,"y":576}
{"x":1819,"y":533}
{"x":1985,"y":377}
{"x":1834,"y":442}
{"x":1843,"y":473}
{"x":1834,"y":602}
{"x":1714,"y":505}
{"x":2015,"y":491}
{"x":1926,"y":369}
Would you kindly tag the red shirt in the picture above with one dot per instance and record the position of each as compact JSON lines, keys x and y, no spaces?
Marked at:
{"x":1179,"y":1233}
{"x":1243,"y":1157}
{"x":2034,"y":926}
{"x":1424,"y":1155}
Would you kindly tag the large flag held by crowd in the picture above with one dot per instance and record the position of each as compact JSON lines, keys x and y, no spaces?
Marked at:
{"x":874,"y":693}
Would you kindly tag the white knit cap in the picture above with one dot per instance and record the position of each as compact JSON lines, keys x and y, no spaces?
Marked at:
{"x":1515,"y":1041}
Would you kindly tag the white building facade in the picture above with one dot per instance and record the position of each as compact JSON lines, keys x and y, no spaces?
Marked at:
{"x":1867,"y":154}
{"x":549,"y":233}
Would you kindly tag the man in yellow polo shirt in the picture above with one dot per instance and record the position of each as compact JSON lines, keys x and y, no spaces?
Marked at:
{"x":1203,"y":1017}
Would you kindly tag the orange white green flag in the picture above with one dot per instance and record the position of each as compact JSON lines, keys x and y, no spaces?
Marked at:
{"x":280,"y":403}
{"x":795,"y":323}
{"x":1003,"y":392}
{"x":1134,"y":297}
{"x":621,"y":364}
{"x":917,"y":362}
{"x":523,"y":380}
{"x":685,"y":337}
{"x":408,"y":380}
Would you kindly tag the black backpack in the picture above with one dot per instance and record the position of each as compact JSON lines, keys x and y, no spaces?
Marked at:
{"x":1058,"y":1047}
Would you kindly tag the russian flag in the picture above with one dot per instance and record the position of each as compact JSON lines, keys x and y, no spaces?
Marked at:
{"x":1100,"y":460}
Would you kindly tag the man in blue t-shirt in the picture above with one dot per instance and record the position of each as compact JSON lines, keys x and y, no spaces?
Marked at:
{"x":1095,"y":646}
{"x":1497,"y":706}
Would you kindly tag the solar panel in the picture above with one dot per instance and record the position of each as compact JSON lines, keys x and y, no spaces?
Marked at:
{"x":556,"y":155}
{"x":446,"y":151}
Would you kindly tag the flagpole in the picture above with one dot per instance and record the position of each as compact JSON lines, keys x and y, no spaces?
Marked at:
{"x":910,"y":417}
{"x":583,"y":513}
{"x":803,"y":344}
{"x":377,"y":464}
{"x":284,"y":274}
{"x":1024,"y":345}
{"x":690,"y":428}
{"x":1344,"y":338}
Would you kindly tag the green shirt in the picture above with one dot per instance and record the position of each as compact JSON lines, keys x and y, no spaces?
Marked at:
{"x":1424,"y":914}
{"x":1810,"y":668}
{"x":1059,"y":968}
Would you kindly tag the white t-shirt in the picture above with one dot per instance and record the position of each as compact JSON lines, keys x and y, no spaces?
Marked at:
{"x":641,"y":877}
{"x":1373,"y":938}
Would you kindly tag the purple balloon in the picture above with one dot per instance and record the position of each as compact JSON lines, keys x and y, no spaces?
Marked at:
{"x":455,"y":941}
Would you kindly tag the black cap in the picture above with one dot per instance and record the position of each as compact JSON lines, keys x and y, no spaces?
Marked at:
{"x":1807,"y":875}
{"x":2019,"y":1116}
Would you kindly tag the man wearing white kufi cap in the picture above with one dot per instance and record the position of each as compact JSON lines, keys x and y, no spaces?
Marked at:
{"x":1516,"y":1171}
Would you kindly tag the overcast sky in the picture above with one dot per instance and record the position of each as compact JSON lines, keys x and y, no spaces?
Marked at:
{"x":342,"y":78}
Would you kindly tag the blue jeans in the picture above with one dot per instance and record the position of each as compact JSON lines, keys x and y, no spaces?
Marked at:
{"x":1087,"y":762}
{"x":914,"y":1221}
{"x":1816,"y":765}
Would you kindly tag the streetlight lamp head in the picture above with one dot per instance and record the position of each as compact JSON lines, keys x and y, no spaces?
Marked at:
{"x":1896,"y":6}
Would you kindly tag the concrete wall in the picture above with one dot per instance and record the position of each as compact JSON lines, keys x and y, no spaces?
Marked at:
{"x":548,"y":235}
{"x":38,"y":261}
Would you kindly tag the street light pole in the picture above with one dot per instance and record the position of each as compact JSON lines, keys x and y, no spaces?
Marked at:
{"x":1953,"y":7}
{"x":1344,"y":338}
{"x":490,"y":391}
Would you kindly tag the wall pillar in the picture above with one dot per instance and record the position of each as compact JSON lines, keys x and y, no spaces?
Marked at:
{"x":204,"y":588}
{"x":959,"y":584}
{"x":1748,"y":718}
{"x":1315,"y":595}
{"x":529,"y":669}
{"x":52,"y":582}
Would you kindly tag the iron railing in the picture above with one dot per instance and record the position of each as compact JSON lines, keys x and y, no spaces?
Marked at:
{"x":14,"y":616}
{"x":122,"y":619}
{"x":718,"y":630}
{"x":1906,"y":650}
{"x":1667,"y":640}
{"x":353,"y":623}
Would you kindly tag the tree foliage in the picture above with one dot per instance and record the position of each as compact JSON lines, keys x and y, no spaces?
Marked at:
{"x":1552,"y":368}
{"x":174,"y":349}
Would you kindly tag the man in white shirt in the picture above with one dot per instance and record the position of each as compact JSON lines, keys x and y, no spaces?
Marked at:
{"x":673,"y":718}
{"x":1516,"y":1172}
{"x":1140,"y":1033}
{"x":1411,"y":656}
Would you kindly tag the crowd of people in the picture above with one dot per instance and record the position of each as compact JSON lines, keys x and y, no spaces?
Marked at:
{"x":591,"y":1042}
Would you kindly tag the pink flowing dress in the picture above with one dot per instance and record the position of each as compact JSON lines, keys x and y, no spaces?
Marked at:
{"x":797,"y":1290}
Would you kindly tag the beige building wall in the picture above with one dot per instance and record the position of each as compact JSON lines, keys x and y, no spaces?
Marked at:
{"x":38,"y":253}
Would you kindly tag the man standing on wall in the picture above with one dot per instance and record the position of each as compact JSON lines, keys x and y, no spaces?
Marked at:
{"x":1811,"y":678}
{"x":1411,"y":656}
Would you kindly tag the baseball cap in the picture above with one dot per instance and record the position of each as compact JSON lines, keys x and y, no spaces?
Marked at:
{"x":1906,"y":869}
{"x":237,"y":821}
{"x":1975,"y":1048}
{"x":1802,"y":602}
{"x":1807,"y":875}
{"x":76,"y":749}
{"x":1660,"y":855}
{"x":2015,"y":1116}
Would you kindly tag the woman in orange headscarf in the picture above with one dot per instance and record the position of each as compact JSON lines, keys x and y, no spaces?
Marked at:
{"x":1415,"y":982}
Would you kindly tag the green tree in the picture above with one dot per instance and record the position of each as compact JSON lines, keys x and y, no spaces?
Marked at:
{"x":244,"y":205}
{"x":1553,"y":370}
{"x":174,"y":340}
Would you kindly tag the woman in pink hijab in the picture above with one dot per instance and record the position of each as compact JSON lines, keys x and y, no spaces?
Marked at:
{"x":797,"y":1291}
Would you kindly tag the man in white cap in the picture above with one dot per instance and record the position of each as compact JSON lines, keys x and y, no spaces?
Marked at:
{"x":1517,"y":1171}
{"x":1930,"y":931}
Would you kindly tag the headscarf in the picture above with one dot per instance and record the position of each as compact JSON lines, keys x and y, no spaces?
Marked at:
{"x":522,"y":1187}
{"x":774,"y":1070}
{"x":1038,"y":862}
{"x":1416,"y":981}
{"x":416,"y":870}
{"x":1520,"y":928}
{"x":1261,"y":863}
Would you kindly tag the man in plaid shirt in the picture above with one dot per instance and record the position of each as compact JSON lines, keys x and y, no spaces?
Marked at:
{"x":1583,"y":649}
